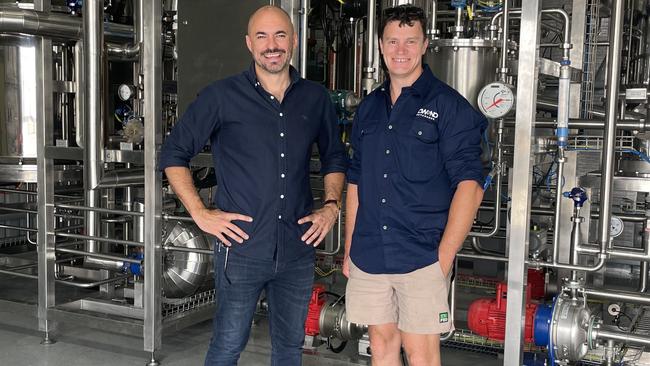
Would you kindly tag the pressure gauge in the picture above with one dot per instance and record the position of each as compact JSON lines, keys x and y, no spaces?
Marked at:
{"x":125,"y":92}
{"x":616,"y":226}
{"x":496,"y":100}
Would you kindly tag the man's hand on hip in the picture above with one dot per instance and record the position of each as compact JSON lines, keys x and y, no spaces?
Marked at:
{"x":322,"y":221}
{"x":220,"y":224}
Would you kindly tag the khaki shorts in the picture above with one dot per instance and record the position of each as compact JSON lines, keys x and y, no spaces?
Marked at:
{"x":416,"y":301}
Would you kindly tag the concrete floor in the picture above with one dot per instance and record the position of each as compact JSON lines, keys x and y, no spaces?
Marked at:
{"x":76,"y":346}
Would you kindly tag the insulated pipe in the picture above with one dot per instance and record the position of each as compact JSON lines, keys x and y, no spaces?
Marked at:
{"x":622,"y":337}
{"x":122,"y":178}
{"x":93,"y":38}
{"x":369,"y":69}
{"x":304,"y":17}
{"x":53,"y":25}
{"x":609,"y":134}
{"x":624,"y":296}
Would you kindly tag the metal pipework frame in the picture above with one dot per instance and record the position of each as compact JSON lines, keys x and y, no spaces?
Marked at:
{"x":517,"y":242}
{"x":369,"y":71}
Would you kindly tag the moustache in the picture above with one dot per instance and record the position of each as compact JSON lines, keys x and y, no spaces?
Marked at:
{"x":274,"y":50}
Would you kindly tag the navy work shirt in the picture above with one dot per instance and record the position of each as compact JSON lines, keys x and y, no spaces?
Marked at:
{"x":408,"y":159}
{"x":261,"y":150}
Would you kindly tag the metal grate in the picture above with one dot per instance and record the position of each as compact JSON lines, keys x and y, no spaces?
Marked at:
{"x":178,"y":306}
{"x":590,"y":52}
{"x":476,"y":282}
{"x":596,"y":142}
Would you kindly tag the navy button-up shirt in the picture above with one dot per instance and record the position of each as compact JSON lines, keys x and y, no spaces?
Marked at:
{"x":261,"y":150}
{"x":407,"y":160}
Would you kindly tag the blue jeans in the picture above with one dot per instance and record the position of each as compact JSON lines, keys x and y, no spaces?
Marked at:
{"x":238,"y":283}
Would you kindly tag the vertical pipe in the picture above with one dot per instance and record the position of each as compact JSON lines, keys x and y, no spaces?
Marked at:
{"x":304,"y":33}
{"x":433,"y":30}
{"x":369,"y":69}
{"x":519,"y":225}
{"x":355,"y":62}
{"x":45,"y":180}
{"x":613,"y":80}
{"x":93,"y":38}
{"x":152,"y":69}
{"x":503,"y":71}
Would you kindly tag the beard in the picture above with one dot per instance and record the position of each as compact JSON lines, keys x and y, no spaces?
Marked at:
{"x":274,"y":67}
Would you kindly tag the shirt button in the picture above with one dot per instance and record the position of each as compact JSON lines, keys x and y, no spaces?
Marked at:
{"x":281,"y":196}
{"x":272,"y":97}
{"x":385,"y":227}
{"x":390,"y":127}
{"x":281,"y":114}
{"x":282,"y":155}
{"x":387,"y":151}
{"x":385,"y":175}
{"x":282,"y":175}
{"x":281,"y":134}
{"x":419,"y":133}
{"x":279,"y":217}
{"x":383,"y":200}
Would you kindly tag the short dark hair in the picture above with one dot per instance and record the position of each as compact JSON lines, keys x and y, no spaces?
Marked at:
{"x":404,"y":14}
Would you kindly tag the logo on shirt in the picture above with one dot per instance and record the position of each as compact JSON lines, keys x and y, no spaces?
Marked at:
{"x":423,"y":112}
{"x":444,"y":317}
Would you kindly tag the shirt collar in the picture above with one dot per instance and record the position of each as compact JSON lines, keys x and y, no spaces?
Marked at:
{"x":251,"y":75}
{"x":421,"y":86}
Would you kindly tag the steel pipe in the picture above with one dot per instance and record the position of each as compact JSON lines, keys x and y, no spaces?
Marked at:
{"x":369,"y":68}
{"x":97,"y":238}
{"x":624,"y":337}
{"x":67,"y":283}
{"x":53,"y":25}
{"x":125,"y":52}
{"x":482,"y":257}
{"x":609,"y":135}
{"x":188,"y":250}
{"x":99,"y":209}
{"x":122,"y":178}
{"x":99,"y":255}
{"x":627,"y":125}
{"x":18,"y":228}
{"x":304,"y":16}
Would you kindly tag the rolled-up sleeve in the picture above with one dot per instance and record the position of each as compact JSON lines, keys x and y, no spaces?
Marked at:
{"x":460,"y":144}
{"x":354,"y":171}
{"x":192,"y":132}
{"x":332,"y":153}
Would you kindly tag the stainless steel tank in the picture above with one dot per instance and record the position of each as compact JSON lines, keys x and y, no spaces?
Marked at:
{"x":184,"y":272}
{"x":18,"y":96}
{"x":466,"y":65}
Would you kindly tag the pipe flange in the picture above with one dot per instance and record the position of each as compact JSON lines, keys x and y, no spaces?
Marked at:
{"x":592,"y":332}
{"x":566,"y":46}
{"x":570,"y":284}
{"x":369,"y":69}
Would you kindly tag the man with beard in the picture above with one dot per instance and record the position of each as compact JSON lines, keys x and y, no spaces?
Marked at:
{"x":261,"y":125}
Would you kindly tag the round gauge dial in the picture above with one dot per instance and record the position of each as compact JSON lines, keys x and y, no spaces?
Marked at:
{"x":496,"y":100}
{"x":616,"y":227}
{"x":125,"y":92}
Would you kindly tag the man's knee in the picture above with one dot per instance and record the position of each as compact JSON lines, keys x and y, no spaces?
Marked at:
{"x":384,"y":341}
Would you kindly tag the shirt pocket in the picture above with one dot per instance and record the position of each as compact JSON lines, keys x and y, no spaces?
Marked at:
{"x":422,"y":152}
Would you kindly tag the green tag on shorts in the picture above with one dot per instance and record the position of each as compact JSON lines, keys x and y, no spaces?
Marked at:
{"x":444,"y":317}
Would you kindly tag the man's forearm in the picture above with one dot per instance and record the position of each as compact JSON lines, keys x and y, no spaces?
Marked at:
{"x":462,"y":211}
{"x":333,"y":185}
{"x":182,"y":183}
